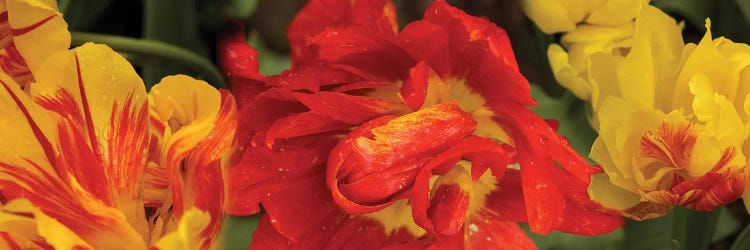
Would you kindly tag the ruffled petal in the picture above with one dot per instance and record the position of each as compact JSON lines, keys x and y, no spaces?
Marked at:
{"x":24,"y":226}
{"x":29,"y":23}
{"x":190,"y":230}
{"x":317,"y":15}
{"x":366,"y":156}
{"x":196,"y":146}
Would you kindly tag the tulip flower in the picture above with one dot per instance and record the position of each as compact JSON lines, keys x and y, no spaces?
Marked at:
{"x":89,"y":160}
{"x":672,"y":121}
{"x":589,"y":26}
{"x":386,"y":138}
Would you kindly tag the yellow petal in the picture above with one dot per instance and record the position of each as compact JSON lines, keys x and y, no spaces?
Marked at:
{"x":190,"y":108}
{"x":38,"y":226}
{"x":186,"y":236}
{"x":550,"y":16}
{"x":566,"y":74}
{"x":16,"y":127}
{"x":35,"y":38}
{"x":716,"y":112}
{"x":611,"y":196}
{"x":652,"y":59}
{"x":707,"y":60}
{"x":604,"y":79}
{"x":111,"y":99}
{"x":616,"y":12}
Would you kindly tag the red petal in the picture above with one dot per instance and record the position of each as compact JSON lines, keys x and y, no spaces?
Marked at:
{"x":301,"y":124}
{"x":480,"y":52}
{"x":721,"y":194}
{"x":374,"y":53}
{"x":445,"y":161}
{"x":483,"y":232}
{"x":317,"y":15}
{"x":345,"y":108}
{"x":263,"y":171}
{"x":428,"y":42}
{"x":544,"y":201}
{"x":312,"y":78}
{"x":448,"y":209}
{"x":394,"y":145}
{"x":344,"y":233}
{"x":237,"y":58}
{"x":581,"y":215}
{"x":265,"y":236}
{"x":262,"y":111}
{"x":470,"y":37}
{"x":414,"y":88}
{"x":537,"y":140}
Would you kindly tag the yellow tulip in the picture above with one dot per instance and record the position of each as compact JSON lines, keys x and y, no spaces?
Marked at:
{"x":672,"y":121}
{"x":590,"y":27}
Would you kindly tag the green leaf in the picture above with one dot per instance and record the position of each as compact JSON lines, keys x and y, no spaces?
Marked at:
{"x":237,"y":232}
{"x":743,"y":241}
{"x":744,"y":6}
{"x":241,"y":9}
{"x":174,"y":22}
{"x":693,"y":230}
{"x":570,"y":113}
{"x":649,"y":234}
{"x":726,"y":226}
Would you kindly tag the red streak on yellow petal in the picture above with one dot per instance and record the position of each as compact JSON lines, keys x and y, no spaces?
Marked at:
{"x":127,"y":136}
{"x":27,"y":29}
{"x":11,"y":243}
{"x":87,"y":112}
{"x":63,"y":103}
{"x":724,"y":193}
{"x":78,"y":161}
{"x":670,"y":144}
{"x":12,"y":62}
{"x":49,"y":151}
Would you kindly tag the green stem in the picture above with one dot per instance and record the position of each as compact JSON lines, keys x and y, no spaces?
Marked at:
{"x":693,"y":229}
{"x":743,"y":240}
{"x":679,"y":226}
{"x":155,"y":52}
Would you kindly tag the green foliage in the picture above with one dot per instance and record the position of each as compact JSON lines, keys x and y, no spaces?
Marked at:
{"x":237,"y":232}
{"x":174,"y":22}
{"x":270,"y":62}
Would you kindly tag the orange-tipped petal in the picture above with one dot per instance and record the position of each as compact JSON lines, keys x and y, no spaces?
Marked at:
{"x":368,"y":155}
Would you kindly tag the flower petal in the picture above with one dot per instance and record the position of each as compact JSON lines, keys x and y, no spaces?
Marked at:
{"x":189,"y":230}
{"x":197,"y":148}
{"x":317,"y":15}
{"x":34,"y":229}
{"x":368,"y":152}
{"x":33,"y":22}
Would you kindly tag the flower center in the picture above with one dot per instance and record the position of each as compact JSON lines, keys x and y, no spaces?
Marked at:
{"x":456,"y":91}
{"x":398,"y":215}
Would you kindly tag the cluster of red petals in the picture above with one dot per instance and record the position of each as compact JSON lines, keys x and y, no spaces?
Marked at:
{"x":322,"y":147}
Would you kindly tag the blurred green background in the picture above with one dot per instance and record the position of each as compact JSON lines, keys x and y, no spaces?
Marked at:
{"x":162,"y":37}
